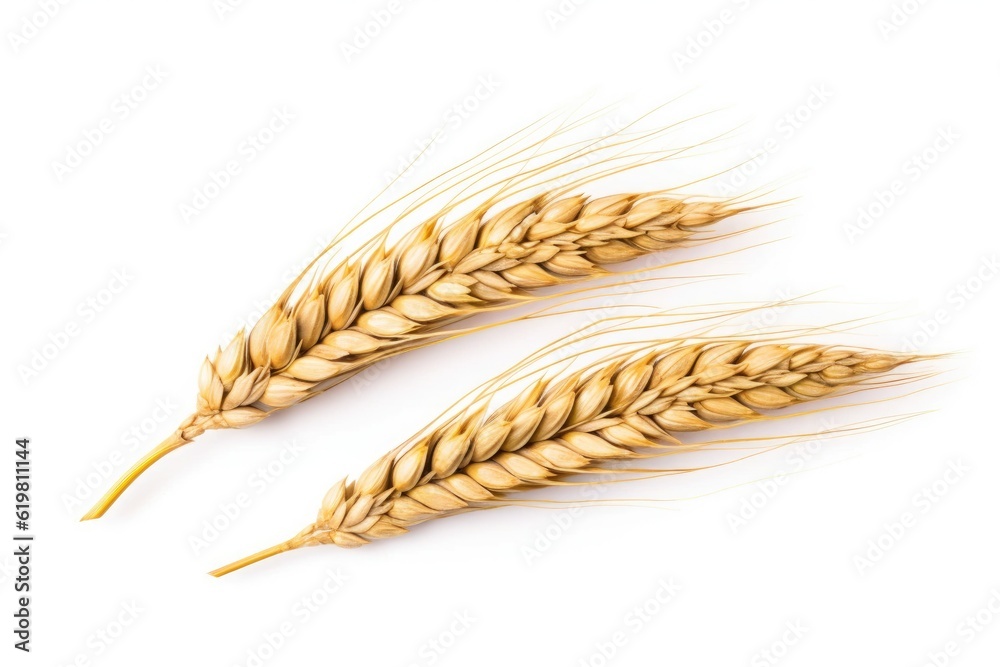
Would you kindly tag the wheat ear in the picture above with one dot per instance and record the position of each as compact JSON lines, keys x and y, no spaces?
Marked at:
{"x":390,"y":298}
{"x":628,"y":407}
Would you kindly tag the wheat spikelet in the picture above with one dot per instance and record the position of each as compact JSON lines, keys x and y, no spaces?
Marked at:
{"x":628,"y":407}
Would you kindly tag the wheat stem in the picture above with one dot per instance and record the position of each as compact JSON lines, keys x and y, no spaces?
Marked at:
{"x":170,"y":444}
{"x":287,"y":545}
{"x":192,"y":427}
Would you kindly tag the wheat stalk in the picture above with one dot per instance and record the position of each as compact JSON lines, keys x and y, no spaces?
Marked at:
{"x":626,"y":408}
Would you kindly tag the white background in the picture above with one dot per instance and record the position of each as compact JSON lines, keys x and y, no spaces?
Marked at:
{"x":888,"y":93}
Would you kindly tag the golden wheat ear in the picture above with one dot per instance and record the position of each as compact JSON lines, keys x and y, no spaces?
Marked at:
{"x":385,"y":299}
{"x":630,"y":406}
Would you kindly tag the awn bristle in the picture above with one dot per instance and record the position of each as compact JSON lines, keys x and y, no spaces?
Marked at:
{"x":627,"y":408}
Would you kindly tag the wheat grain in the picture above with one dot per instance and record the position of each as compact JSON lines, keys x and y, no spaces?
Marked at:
{"x":629,"y":407}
